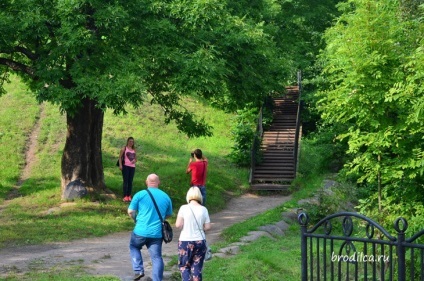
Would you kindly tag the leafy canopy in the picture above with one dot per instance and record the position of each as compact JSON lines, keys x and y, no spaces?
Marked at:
{"x":129,"y":52}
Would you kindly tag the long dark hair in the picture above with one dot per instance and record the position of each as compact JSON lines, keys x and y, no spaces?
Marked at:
{"x":128,"y":140}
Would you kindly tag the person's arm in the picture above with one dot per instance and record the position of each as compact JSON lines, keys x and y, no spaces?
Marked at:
{"x":179,"y":223}
{"x":188,"y":166}
{"x":132,"y":214}
{"x":120,"y":157}
{"x":207,"y":226}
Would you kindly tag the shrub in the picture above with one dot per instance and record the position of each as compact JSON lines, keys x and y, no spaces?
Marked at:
{"x":244,"y":133}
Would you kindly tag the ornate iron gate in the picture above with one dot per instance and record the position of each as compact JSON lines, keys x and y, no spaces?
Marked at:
{"x":349,"y":246}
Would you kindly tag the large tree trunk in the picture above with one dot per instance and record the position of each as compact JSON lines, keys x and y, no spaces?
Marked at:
{"x":82,"y":156}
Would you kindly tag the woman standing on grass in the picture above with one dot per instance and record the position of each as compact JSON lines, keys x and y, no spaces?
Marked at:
{"x":193,"y":219}
{"x":127,"y":160}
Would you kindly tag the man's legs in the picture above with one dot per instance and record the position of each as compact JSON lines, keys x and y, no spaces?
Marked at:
{"x":203,"y":191}
{"x":136,"y":243}
{"x":154,"y":245}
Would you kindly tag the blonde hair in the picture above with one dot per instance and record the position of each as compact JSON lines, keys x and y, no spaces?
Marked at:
{"x":194,"y":194}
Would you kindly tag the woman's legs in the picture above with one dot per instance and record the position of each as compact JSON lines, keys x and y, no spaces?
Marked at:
{"x":130,"y":180}
{"x":124,"y":180}
{"x":191,"y":255}
{"x":127,"y":176}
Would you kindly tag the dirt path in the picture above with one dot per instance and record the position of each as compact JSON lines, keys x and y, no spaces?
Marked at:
{"x":109,"y":255}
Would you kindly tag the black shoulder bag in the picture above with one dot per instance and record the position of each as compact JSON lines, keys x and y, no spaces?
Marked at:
{"x":123,"y":158}
{"x":167,"y":233}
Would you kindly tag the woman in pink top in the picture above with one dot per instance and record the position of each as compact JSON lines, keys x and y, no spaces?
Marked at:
{"x":128,"y":156}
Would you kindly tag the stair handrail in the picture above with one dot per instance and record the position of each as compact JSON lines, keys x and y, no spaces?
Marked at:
{"x":298,"y":122}
{"x":256,"y":143}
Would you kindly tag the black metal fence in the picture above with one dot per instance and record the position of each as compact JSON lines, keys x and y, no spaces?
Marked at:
{"x":349,"y":246}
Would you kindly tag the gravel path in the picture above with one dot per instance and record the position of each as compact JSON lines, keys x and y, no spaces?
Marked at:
{"x":109,"y":255}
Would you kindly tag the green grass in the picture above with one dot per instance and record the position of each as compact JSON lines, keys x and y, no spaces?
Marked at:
{"x":18,"y":112}
{"x":265,"y":259}
{"x":72,"y":274}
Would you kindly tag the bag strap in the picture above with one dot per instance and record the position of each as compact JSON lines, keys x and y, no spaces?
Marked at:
{"x":201,"y":232}
{"x":156,"y":206}
{"x":123,"y":155}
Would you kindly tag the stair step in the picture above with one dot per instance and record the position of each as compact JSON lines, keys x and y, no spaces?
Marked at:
{"x":286,"y":154}
{"x":277,"y":145}
{"x":285,"y":166}
{"x":282,"y":151}
{"x":272,"y":179}
{"x":282,"y":130}
{"x":283,"y":159}
{"x":277,"y":150}
{"x":273,"y":173}
{"x":277,"y":176}
{"x":278,"y":140}
{"x":270,"y":186}
{"x":282,"y":166}
{"x":283,"y":156}
{"x":275,"y":159}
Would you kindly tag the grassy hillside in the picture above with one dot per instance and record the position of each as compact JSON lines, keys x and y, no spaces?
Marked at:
{"x":161,"y":149}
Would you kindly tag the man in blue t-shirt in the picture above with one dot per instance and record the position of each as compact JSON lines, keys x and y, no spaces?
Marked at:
{"x":148,"y":227}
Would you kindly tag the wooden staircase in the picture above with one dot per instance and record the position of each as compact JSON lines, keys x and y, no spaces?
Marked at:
{"x":277,"y":168}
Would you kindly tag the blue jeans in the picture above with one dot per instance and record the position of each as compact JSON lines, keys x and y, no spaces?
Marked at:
{"x":154,"y":246}
{"x":203,"y":192}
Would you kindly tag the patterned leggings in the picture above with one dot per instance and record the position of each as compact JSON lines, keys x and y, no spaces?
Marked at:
{"x":191,"y":255}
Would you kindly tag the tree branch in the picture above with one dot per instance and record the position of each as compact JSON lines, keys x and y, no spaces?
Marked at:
{"x":26,"y":52}
{"x":17,"y":66}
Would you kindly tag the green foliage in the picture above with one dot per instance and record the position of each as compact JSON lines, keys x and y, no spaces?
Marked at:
{"x":244,"y":134}
{"x":373,"y":63}
{"x":124,"y":53}
{"x":393,"y":206}
{"x":320,"y":153}
{"x":267,"y":112}
{"x":327,"y":201}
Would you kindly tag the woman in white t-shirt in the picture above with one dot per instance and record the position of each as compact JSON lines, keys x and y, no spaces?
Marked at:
{"x":193,"y":219}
